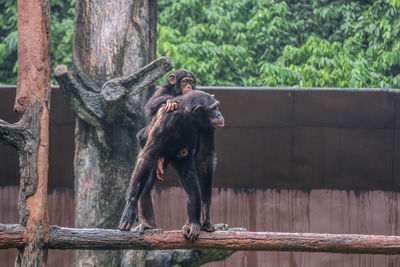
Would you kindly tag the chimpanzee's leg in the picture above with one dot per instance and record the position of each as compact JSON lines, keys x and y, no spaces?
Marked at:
{"x":206,"y":161}
{"x":188,"y":174}
{"x":205,"y":170}
{"x":146,"y":213}
{"x":145,"y":163}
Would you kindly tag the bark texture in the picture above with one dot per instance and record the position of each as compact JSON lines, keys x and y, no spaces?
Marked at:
{"x":112,"y":41}
{"x":30,"y":135}
{"x":158,"y":243}
{"x":12,"y":236}
{"x":105,"y":148}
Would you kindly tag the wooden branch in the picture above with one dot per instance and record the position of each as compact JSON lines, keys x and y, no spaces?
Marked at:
{"x":93,"y":107}
{"x":12,"y":236}
{"x":27,"y":127}
{"x":145,"y":76}
{"x":115,"y":91}
{"x":69,"y":238}
{"x":12,"y":134}
{"x":85,"y":103}
{"x":181,"y":257}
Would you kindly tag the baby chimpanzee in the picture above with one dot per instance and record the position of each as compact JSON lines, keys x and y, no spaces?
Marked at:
{"x":179,"y":82}
{"x":191,"y":126}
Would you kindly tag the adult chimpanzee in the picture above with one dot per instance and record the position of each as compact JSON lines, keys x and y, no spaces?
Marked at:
{"x":179,"y":82}
{"x":191,"y":126}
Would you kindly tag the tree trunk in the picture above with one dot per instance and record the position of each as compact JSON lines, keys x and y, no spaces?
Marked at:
{"x":112,"y":39}
{"x":30,"y":135}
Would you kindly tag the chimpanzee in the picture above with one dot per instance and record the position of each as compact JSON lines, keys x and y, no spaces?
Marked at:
{"x":191,"y":126}
{"x":179,"y":82}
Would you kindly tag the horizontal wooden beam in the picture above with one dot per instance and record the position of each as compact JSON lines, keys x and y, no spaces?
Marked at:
{"x":70,"y":238}
{"x":12,"y":236}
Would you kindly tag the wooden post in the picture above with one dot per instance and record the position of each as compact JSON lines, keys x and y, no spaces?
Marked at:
{"x":31,"y":134}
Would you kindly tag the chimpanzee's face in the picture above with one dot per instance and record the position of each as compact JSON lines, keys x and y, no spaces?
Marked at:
{"x":187,"y":85}
{"x":206,"y":109}
{"x":216,"y":118}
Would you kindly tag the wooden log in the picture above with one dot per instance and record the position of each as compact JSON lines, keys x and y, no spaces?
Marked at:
{"x":70,"y":238}
{"x":12,"y":236}
{"x":32,"y":140}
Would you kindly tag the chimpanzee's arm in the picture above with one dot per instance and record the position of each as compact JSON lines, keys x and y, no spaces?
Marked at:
{"x":159,"y":98}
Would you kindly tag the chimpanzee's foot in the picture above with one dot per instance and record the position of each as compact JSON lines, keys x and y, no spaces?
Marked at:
{"x":144,"y":226}
{"x":207,"y":226}
{"x":182,"y":153}
{"x":128,"y":216}
{"x":191,"y":231}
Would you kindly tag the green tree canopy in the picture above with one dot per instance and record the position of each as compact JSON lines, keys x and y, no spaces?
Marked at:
{"x":308,"y":43}
{"x":62,"y":27}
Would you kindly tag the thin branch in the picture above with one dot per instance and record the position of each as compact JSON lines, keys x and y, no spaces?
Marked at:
{"x":70,"y":238}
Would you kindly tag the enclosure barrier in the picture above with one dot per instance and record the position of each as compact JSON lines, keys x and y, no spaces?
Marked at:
{"x":12,"y":236}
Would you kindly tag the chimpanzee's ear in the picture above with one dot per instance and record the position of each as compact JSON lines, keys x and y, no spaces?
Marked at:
{"x":197,"y":109}
{"x":172,"y":79}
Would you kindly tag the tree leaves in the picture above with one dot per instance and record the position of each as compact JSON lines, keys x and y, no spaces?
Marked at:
{"x":62,"y":13}
{"x":314,"y":43}
{"x":254,"y":42}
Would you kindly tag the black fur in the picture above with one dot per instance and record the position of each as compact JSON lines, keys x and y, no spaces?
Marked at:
{"x":166,"y":92}
{"x":191,"y":126}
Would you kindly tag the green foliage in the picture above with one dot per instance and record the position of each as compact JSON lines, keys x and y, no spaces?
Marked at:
{"x":307,"y":43}
{"x":62,"y":14}
{"x":8,"y":41}
{"x":62,"y":29}
{"x":314,"y":43}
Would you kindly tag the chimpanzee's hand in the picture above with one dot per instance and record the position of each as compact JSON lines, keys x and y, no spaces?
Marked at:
{"x":207,"y":226}
{"x":128,"y":216}
{"x":191,"y":231}
{"x":160,"y":169}
{"x":170,"y":106}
